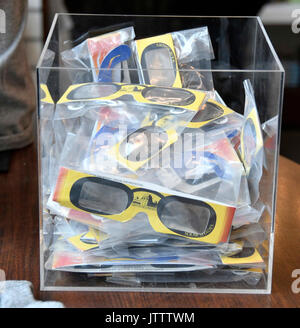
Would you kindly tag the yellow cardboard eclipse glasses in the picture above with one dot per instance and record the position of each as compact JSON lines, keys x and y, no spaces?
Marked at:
{"x":177,"y":98}
{"x":143,"y":144}
{"x":174,"y":100}
{"x":137,"y":148}
{"x":168,"y":214}
{"x":248,"y":255}
{"x":158,"y":61}
{"x":131,"y":151}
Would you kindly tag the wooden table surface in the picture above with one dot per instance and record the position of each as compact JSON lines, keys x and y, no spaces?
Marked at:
{"x":19,"y":246}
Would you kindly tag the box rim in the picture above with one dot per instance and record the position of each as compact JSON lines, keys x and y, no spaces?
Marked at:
{"x":255,"y":18}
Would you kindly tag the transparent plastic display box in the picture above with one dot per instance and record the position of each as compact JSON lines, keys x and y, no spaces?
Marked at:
{"x":239,"y":50}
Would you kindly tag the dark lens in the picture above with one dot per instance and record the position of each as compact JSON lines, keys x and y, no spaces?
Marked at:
{"x":205,"y":177}
{"x":187,"y":217}
{"x":158,"y":64}
{"x":93,"y":90}
{"x":143,"y":143}
{"x":208,"y":112}
{"x":96,"y":195}
{"x":169,"y":96}
{"x":246,"y":252}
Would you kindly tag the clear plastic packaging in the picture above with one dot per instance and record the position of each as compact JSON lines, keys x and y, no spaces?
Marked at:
{"x":204,"y":163}
{"x":205,"y":276}
{"x":150,"y":176}
{"x":176,"y":59}
{"x":71,"y":236}
{"x":128,"y":131}
{"x":194,"y":53}
{"x":209,"y":168}
{"x":100,"y":54}
{"x":251,"y":147}
{"x":247,"y":214}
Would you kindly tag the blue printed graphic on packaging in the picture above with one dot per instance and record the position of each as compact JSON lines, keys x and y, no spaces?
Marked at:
{"x":114,"y":57}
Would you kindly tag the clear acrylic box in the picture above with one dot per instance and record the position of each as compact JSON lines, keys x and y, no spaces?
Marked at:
{"x":242,"y":50}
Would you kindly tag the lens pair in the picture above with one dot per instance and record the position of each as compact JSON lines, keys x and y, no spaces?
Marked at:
{"x":180,"y":99}
{"x":169,"y":214}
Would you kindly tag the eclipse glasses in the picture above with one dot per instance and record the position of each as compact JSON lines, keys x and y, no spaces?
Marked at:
{"x":167,"y":214}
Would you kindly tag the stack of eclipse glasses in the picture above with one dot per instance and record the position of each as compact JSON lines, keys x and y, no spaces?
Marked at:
{"x":147,"y":175}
